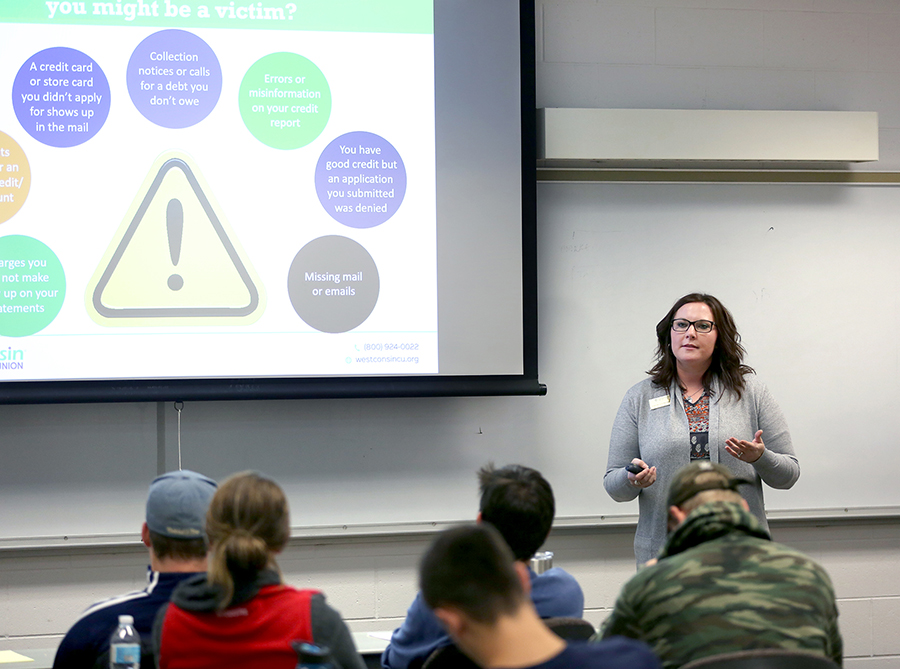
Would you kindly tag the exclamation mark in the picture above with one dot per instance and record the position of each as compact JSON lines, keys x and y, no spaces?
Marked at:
{"x":175,"y":229}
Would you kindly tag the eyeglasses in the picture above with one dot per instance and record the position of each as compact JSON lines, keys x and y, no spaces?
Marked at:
{"x":700,"y":327}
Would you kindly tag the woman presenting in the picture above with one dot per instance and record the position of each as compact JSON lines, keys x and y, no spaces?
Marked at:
{"x":700,"y":402}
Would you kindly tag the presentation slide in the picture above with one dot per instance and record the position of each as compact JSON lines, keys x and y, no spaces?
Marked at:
{"x":195,"y":189}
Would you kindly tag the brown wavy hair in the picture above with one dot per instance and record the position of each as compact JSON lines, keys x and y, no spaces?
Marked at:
{"x":728,"y":355}
{"x":247,"y":524}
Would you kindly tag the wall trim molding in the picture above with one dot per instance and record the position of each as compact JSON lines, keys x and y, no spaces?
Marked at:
{"x":548,"y":174}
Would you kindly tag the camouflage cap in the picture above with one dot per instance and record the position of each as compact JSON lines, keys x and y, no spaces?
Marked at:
{"x":700,"y":476}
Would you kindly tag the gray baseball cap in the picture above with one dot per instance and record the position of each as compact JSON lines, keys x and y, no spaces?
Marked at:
{"x":177,"y":504}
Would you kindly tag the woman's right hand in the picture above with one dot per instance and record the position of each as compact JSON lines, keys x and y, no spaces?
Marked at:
{"x":646,"y":478}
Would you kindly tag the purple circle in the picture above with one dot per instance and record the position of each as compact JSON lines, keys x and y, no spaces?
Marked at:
{"x":360,"y":179}
{"x":61,"y":97}
{"x":174,"y":79}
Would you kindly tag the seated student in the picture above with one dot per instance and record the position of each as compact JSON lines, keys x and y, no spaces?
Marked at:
{"x":241,"y":614}
{"x":474,"y":587}
{"x":721,"y":584}
{"x":174,"y":532}
{"x":519,"y":503}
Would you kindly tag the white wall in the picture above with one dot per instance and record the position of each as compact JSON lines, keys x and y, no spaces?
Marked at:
{"x":823,"y":55}
{"x":729,"y":54}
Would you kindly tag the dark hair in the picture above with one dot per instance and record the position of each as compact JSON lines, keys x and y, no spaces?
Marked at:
{"x":247,"y":523}
{"x":728,"y":355}
{"x":518,"y":501}
{"x":177,"y":549}
{"x":470,"y":567}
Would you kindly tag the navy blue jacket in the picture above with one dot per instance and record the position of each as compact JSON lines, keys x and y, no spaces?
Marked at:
{"x":614,"y":653}
{"x":88,"y":639}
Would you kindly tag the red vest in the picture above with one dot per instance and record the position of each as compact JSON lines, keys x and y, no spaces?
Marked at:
{"x":253,"y":635}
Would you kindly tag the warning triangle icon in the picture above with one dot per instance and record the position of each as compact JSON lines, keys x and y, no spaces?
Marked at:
{"x":174,"y":259}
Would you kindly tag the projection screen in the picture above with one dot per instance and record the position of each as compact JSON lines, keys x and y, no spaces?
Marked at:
{"x":214,"y":200}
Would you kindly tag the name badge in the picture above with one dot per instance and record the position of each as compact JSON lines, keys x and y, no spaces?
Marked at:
{"x":658,"y":402}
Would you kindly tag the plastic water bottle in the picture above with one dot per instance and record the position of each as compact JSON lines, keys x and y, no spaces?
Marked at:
{"x":125,"y":646}
{"x":311,"y":656}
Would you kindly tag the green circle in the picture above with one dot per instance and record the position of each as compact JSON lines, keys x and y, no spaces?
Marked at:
{"x":32,"y":286}
{"x":285,"y":100}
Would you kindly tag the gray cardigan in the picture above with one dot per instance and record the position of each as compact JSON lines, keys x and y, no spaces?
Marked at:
{"x":661,"y":438}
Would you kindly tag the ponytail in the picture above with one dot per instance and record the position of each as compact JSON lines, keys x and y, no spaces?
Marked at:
{"x":247,"y":524}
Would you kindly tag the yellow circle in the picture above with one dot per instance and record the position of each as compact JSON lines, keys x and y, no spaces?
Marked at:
{"x":15,"y":177}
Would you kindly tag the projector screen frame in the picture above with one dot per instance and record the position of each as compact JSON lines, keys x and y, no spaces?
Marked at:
{"x":331,"y":387}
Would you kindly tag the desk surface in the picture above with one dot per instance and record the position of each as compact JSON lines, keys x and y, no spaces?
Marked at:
{"x":367,"y":644}
{"x":42,"y":658}
{"x":35,"y":658}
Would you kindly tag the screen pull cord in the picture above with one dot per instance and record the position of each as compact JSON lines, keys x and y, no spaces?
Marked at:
{"x":178,"y":408}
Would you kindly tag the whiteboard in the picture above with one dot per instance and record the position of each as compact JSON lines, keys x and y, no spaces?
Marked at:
{"x":810,"y":273}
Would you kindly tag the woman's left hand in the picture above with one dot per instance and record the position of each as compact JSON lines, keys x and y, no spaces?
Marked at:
{"x":746,"y":451}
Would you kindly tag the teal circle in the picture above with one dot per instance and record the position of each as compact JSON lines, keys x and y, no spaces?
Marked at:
{"x":32,"y":286}
{"x":285,"y":100}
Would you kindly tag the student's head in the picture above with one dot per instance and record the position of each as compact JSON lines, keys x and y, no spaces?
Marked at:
{"x":247,"y":523}
{"x":469,"y":570}
{"x":176,"y":515}
{"x":700,"y":483}
{"x":517,"y":501}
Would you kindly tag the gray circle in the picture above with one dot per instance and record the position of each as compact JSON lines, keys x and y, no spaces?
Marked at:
{"x":333,"y":284}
